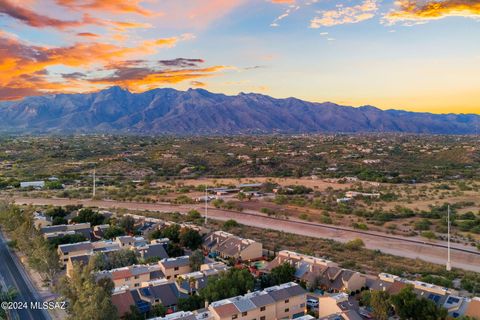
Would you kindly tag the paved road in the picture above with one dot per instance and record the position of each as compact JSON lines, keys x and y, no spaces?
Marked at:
{"x":14,"y":275}
{"x":416,"y":248}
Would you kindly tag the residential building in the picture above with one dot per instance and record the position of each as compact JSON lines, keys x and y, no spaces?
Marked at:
{"x":132,"y":276}
{"x":51,"y":232}
{"x":84,"y":248}
{"x":318,"y":272}
{"x":229,"y":246}
{"x":336,"y":307}
{"x":173,"y":267}
{"x":285,"y":301}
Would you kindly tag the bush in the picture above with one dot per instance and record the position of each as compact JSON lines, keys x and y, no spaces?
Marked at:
{"x":355,"y":244}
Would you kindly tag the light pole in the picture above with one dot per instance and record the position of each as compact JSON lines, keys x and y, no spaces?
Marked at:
{"x":449,"y":264}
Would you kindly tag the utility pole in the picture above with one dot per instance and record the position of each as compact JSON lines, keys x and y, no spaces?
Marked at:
{"x":206,"y":205}
{"x":449,"y":265}
{"x":94,"y":184}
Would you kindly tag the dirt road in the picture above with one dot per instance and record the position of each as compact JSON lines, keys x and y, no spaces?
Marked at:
{"x":462,"y":257}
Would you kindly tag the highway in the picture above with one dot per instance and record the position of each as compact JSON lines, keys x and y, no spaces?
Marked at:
{"x":463,"y":257}
{"x":14,"y":275}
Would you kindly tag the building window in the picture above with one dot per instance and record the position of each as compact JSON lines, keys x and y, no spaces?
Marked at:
{"x":168,"y":277}
{"x":287,"y":310}
{"x":287,"y":301}
{"x":244,"y":314}
{"x":262,"y":308}
{"x":262,"y":318}
{"x":302,"y":305}
{"x":127,"y":278}
{"x":235,"y":316}
{"x":176,"y":268}
{"x":136,"y":277}
{"x":137,"y":284}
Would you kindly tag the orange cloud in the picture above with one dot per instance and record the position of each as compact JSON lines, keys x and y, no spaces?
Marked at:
{"x":431,"y":10}
{"x":24,"y":67}
{"x":345,"y":15}
{"x":33,"y":19}
{"x":36,"y":20}
{"x":114,"y":6}
{"x":88,"y":35}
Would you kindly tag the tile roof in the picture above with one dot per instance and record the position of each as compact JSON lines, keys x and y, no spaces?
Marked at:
{"x":226,"y":310}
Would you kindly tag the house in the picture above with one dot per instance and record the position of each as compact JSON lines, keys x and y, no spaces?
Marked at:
{"x":132,"y":276}
{"x":158,"y":292}
{"x":336,"y":307}
{"x":173,"y":267}
{"x":226,"y":245}
{"x":32,"y":184}
{"x":122,"y":299}
{"x":84,"y":248}
{"x":51,"y":232}
{"x":284,"y":301}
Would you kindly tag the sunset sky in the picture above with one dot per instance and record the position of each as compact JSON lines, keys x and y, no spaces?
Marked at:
{"x":411,"y":55}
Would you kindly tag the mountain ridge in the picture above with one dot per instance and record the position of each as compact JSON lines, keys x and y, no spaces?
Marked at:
{"x":198,"y":111}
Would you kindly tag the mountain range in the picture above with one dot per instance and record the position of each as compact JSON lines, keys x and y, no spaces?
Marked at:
{"x":197,"y":111}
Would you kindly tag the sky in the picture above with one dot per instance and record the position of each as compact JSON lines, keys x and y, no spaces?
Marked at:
{"x":409,"y":55}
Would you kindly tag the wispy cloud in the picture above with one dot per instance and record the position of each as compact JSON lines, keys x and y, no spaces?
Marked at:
{"x":411,"y":12}
{"x":345,"y":14}
{"x":24,"y":67}
{"x":113,"y":6}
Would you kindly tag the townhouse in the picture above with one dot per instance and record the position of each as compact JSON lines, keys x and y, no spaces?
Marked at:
{"x":319,"y":273}
{"x":50,"y":232}
{"x":286,"y":301}
{"x":227,"y":246}
{"x":132,"y":276}
{"x":336,"y":307}
{"x":173,"y":267}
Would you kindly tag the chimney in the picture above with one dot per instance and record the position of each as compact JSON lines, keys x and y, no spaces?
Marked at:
{"x":206,"y":304}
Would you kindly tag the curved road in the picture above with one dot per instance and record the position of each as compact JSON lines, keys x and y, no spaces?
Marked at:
{"x":462,"y":256}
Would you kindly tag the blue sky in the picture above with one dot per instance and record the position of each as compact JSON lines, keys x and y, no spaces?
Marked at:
{"x":412,"y":55}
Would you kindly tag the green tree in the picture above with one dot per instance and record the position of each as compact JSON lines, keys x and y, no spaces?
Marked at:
{"x":172,"y":232}
{"x":157,"y":310}
{"x":380,"y":303}
{"x":127,"y":223}
{"x":232,"y":283}
{"x":88,"y":299}
{"x":196,"y":260}
{"x":193,"y":302}
{"x":88,"y":215}
{"x":407,"y":306}
{"x":113,"y":232}
{"x":112,"y":260}
{"x":6,"y":295}
{"x":278,"y":275}
{"x":175,"y":250}
{"x":190,"y":238}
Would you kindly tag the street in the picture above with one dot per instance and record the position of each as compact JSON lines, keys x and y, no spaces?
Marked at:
{"x":14,"y":276}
